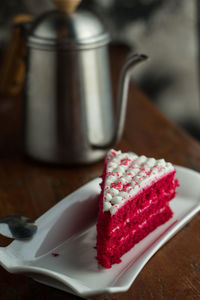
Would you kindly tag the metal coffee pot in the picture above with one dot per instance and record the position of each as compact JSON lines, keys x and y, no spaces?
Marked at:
{"x":68,"y":114}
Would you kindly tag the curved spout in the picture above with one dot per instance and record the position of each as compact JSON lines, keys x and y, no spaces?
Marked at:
{"x":124,"y":80}
{"x":122,"y":98}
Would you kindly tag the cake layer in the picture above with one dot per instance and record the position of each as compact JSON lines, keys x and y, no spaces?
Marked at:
{"x":135,"y":220}
{"x":130,"y":225}
{"x":111,"y":255}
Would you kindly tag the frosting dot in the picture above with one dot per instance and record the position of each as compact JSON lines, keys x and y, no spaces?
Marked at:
{"x":114,"y":191}
{"x":113,"y":209}
{"x":116,"y":200}
{"x":119,"y":169}
{"x":131,"y":171}
{"x":109,"y":179}
{"x":133,"y":183}
{"x":137,"y":178}
{"x":113,"y":165}
{"x":142,"y":174}
{"x":151,"y":162}
{"x":107,"y":206}
{"x":136,"y":170}
{"x":147,"y":169}
{"x":161,"y":163}
{"x":142,"y":159}
{"x":129,"y":189}
{"x":169,"y":165}
{"x":108,"y":196}
{"x":136,"y":188}
{"x":123,"y":194}
{"x":123,"y":180}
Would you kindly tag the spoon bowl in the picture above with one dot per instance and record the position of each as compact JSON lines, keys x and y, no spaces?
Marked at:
{"x":17,"y":227}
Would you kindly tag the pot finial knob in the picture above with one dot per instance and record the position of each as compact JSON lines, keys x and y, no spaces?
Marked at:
{"x":67,"y":6}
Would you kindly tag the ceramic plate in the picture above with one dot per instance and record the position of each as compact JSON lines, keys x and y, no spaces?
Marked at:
{"x":62,"y":253}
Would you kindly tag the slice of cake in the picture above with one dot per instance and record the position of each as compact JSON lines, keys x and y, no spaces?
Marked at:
{"x":134,"y":200}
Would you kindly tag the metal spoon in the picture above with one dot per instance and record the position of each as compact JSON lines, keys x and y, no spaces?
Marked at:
{"x":17,"y":227}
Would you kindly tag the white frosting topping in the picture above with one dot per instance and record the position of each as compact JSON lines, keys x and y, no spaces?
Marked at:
{"x":127,"y":174}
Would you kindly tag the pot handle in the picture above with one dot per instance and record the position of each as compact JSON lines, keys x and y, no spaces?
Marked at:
{"x":12,"y":71}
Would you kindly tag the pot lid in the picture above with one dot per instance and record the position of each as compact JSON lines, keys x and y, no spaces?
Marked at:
{"x":79,"y":30}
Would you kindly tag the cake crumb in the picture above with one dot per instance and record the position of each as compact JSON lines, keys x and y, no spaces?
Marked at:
{"x":55,"y":254}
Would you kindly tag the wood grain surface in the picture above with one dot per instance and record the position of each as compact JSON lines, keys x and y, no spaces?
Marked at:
{"x":30,"y":188}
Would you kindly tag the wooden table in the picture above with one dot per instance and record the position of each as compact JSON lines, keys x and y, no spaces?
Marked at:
{"x":30,"y":188}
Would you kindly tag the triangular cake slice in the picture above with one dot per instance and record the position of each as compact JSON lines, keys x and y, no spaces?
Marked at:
{"x":134,"y":200}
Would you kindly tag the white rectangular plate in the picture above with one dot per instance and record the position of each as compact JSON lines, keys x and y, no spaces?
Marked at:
{"x":62,"y":254}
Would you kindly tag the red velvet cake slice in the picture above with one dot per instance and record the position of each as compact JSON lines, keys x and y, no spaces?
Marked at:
{"x":134,"y":200}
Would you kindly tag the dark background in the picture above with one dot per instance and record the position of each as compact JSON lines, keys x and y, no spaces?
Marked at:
{"x":165,"y":30}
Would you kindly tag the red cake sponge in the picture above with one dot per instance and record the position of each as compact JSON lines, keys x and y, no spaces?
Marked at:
{"x":134,"y":200}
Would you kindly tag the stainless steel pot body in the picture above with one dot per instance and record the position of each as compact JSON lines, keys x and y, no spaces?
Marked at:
{"x":68,"y":105}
